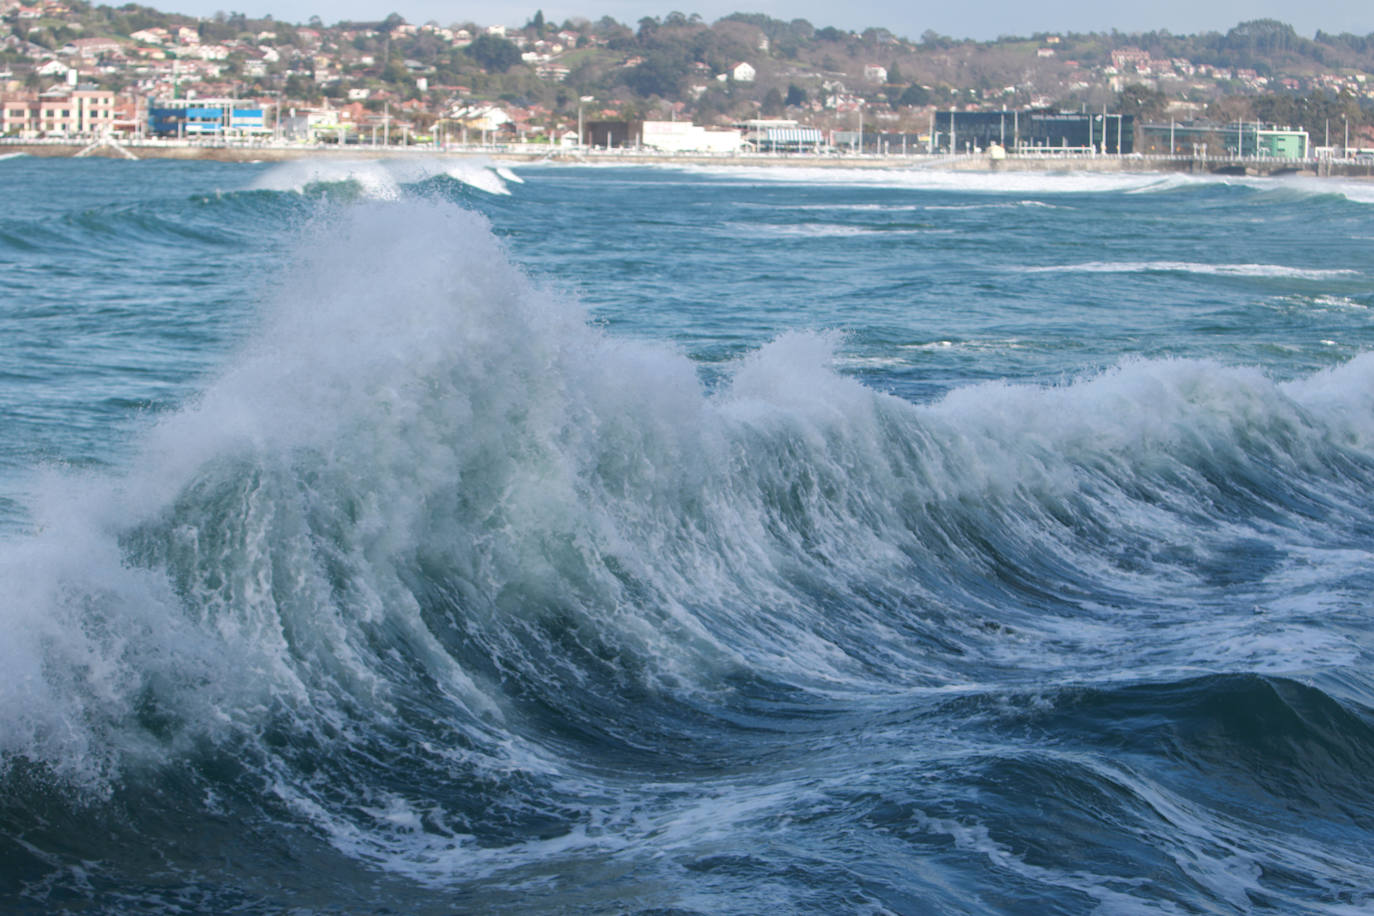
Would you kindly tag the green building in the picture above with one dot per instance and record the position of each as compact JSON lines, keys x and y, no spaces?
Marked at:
{"x":1283,"y":144}
{"x":1238,"y":138}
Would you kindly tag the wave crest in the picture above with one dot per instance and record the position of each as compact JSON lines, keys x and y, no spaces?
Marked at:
{"x":430,"y":490}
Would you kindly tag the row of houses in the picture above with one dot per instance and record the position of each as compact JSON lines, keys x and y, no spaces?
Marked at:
{"x":83,"y":110}
{"x":67,"y":111}
{"x":78,"y":111}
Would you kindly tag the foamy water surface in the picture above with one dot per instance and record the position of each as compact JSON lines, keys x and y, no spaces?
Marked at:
{"x":423,"y":537}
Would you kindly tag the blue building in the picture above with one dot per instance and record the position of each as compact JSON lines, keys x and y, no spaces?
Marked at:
{"x":205,"y":118}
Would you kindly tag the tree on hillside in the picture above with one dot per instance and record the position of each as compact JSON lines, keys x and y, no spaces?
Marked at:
{"x":662,"y":73}
{"x":718,"y":48}
{"x":1316,"y":112}
{"x":1262,"y":36}
{"x":933,"y":40}
{"x":1143,"y":102}
{"x":912,"y":96}
{"x":495,"y":55}
{"x":1230,"y":108}
{"x":1359,"y":44}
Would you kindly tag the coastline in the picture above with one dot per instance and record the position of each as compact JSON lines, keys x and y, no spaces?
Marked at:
{"x":516,"y":155}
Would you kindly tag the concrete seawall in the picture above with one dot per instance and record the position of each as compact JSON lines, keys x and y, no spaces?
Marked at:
{"x":518,"y":154}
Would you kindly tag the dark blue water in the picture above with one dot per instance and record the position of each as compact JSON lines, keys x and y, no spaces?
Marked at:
{"x":429,"y":538}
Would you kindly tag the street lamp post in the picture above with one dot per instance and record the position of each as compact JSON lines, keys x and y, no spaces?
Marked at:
{"x":582,"y":99}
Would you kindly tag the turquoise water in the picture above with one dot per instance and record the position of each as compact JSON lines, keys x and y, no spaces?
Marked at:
{"x":439,"y":538}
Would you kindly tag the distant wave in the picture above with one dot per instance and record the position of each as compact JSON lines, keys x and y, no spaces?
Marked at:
{"x":380,"y":179}
{"x":825,"y":230}
{"x":1010,"y":205}
{"x":924,"y":176}
{"x":970,"y":345}
{"x":929,"y":178}
{"x":1300,"y":187}
{"x":902,"y":208}
{"x":1226,"y":270}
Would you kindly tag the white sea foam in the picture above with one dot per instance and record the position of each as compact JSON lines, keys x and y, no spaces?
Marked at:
{"x":974,"y":346}
{"x":1225,"y":270}
{"x":1355,"y":190}
{"x":797,"y":230}
{"x":378,"y":179}
{"x":1339,"y":302}
{"x":773,"y":207}
{"x":816,"y":230}
{"x":903,"y":208}
{"x":372,"y":178}
{"x":870,"y":362}
{"x":1008,"y":205}
{"x":483,"y":178}
{"x":412,"y":403}
{"x":1113,"y":894}
{"x":921,"y":177}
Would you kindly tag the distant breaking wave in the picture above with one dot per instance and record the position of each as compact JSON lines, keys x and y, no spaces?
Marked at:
{"x":930,"y":177}
{"x":381,"y":179}
{"x":1230,"y":270}
{"x":922,"y":175}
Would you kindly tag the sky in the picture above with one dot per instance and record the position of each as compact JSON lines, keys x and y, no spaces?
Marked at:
{"x":978,"y":19}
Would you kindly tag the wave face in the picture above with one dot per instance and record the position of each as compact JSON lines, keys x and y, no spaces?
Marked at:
{"x":444,"y":591}
{"x":378,"y":179}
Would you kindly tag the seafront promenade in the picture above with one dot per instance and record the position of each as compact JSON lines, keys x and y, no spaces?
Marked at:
{"x":527,"y":153}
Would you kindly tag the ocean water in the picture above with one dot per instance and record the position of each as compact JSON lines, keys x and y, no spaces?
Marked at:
{"x":450,"y":538}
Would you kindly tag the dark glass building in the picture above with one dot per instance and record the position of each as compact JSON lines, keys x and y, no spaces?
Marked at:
{"x":965,"y":131}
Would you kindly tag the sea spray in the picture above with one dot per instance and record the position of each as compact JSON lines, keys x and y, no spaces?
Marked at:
{"x":422,"y":443}
{"x":381,"y":179}
{"x":441,"y":594}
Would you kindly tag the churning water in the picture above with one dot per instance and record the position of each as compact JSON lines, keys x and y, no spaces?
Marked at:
{"x":417,"y":540}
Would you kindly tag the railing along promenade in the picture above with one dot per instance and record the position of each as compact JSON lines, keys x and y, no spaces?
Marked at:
{"x":1023,"y":159}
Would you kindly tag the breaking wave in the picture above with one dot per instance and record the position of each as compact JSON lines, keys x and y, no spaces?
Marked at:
{"x":443,"y":575}
{"x":381,"y":179}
